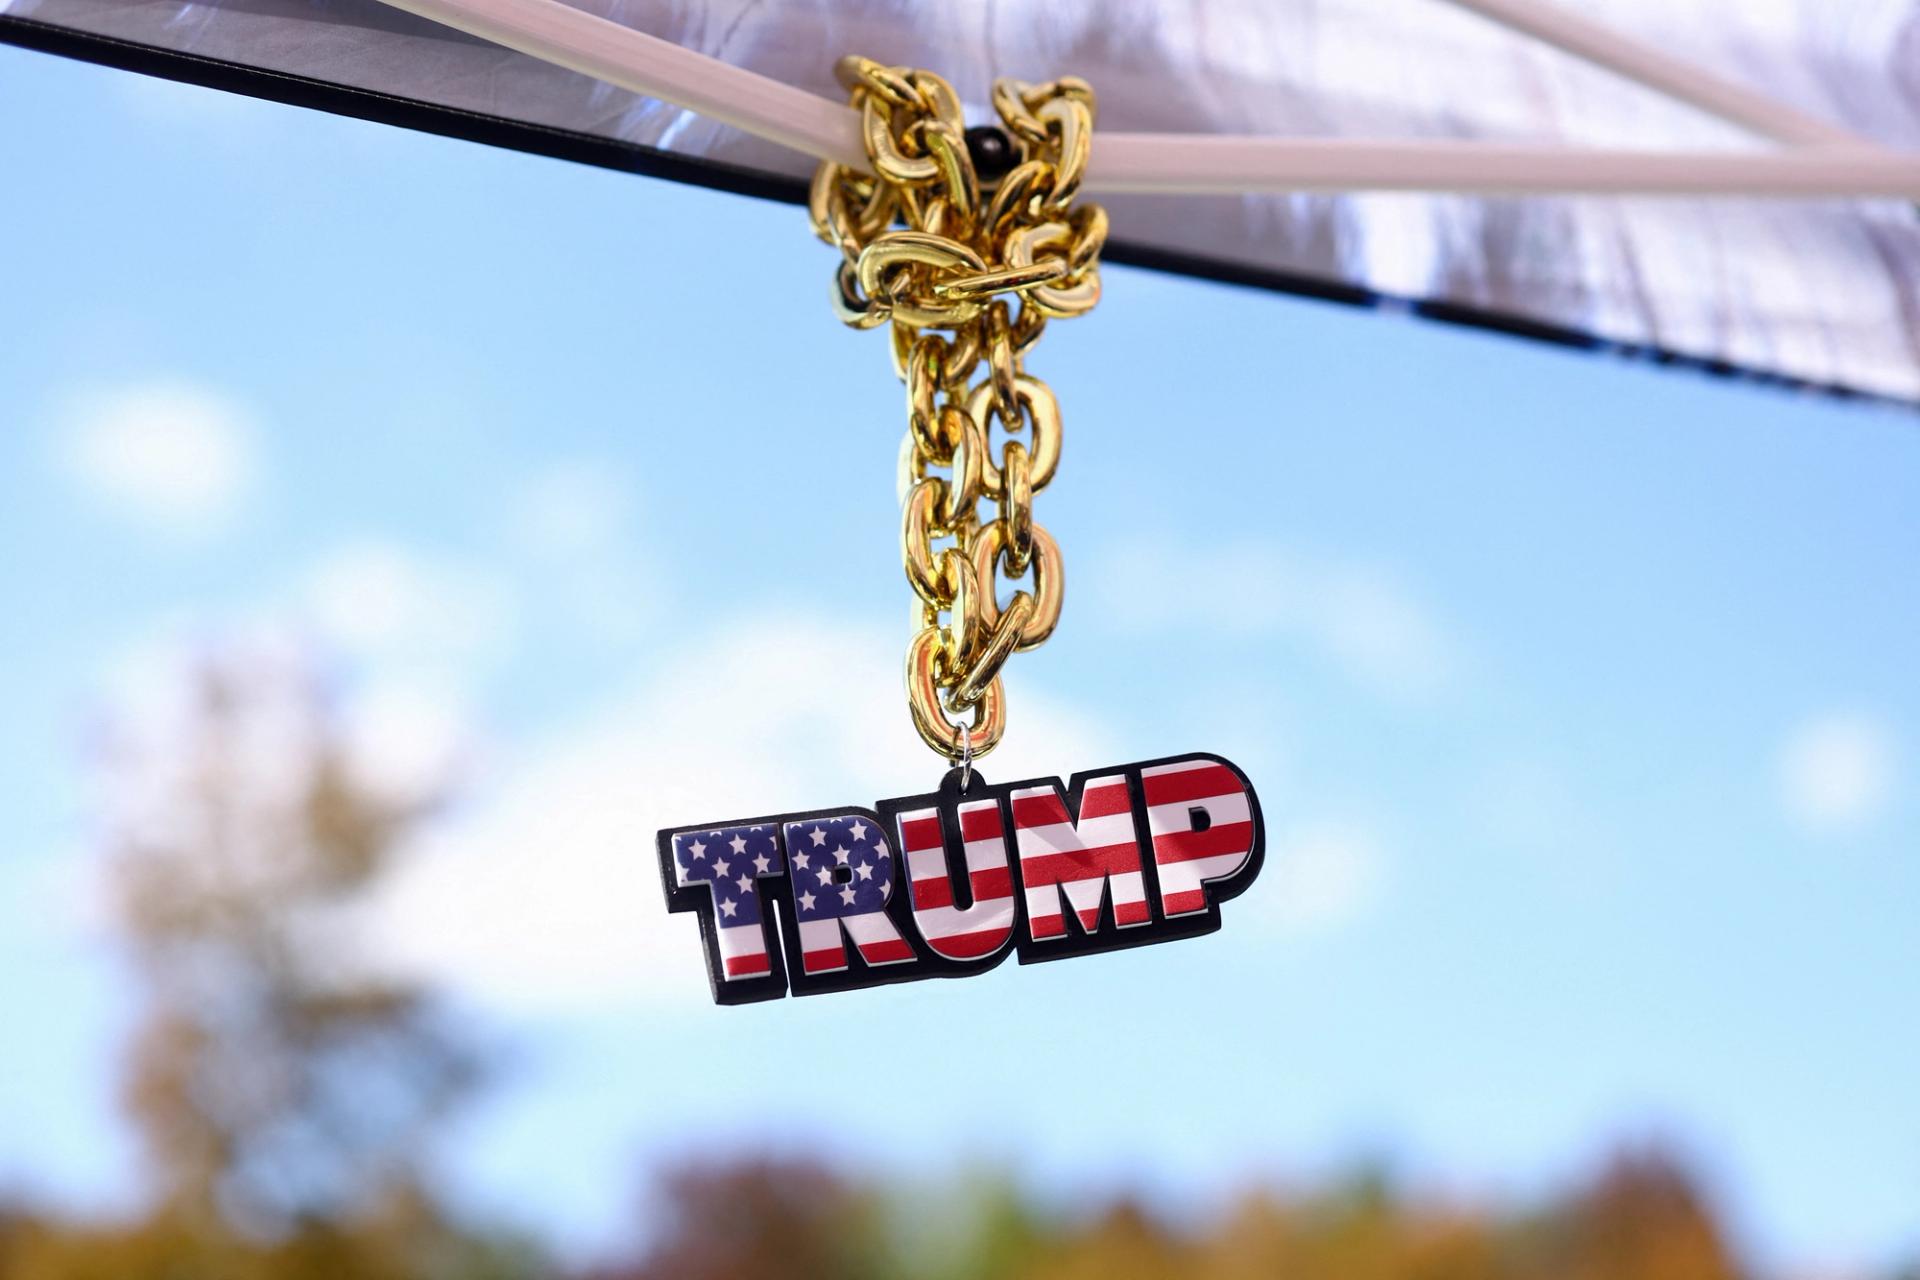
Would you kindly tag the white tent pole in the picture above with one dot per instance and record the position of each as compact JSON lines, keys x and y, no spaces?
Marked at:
{"x":1211,"y":164}
{"x":1558,"y":26}
{"x":556,"y":32}
{"x":580,"y":41}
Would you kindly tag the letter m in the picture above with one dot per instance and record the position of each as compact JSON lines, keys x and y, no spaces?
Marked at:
{"x":1078,"y":856}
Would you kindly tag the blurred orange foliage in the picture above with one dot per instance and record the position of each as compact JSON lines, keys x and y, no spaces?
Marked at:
{"x":1641,"y":1218}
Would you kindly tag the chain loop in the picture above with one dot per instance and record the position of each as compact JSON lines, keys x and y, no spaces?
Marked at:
{"x":1049,"y":588}
{"x":967,"y":285}
{"x":1036,"y":398}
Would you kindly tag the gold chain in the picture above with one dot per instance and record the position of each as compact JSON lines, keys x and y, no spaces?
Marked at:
{"x":967,"y":249}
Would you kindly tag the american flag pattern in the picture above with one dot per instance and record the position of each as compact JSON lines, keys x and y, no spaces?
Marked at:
{"x":842,"y":878}
{"x":1079,"y":856}
{"x":730,"y":861}
{"x":1201,"y":821}
{"x":960,"y":933}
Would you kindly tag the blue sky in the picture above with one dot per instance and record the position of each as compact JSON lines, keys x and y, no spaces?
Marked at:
{"x":1580,"y":695}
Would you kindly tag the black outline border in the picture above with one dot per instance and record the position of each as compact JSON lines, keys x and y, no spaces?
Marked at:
{"x":786,"y":972}
{"x":629,"y":157}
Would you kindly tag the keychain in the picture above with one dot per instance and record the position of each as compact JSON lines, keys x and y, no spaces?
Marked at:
{"x":947,"y":884}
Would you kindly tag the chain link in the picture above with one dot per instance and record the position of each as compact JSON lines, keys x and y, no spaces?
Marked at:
{"x":947,"y":281}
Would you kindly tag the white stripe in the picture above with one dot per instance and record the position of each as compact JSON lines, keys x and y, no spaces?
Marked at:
{"x":982,"y":855}
{"x":1184,"y":877}
{"x":870,"y":927}
{"x":819,"y":935}
{"x":986,"y":855}
{"x":1061,"y":837}
{"x":1101,"y":783}
{"x":1128,"y":886}
{"x":1222,"y":810}
{"x":944,"y":922}
{"x":742,"y":940}
{"x":1179,"y":766}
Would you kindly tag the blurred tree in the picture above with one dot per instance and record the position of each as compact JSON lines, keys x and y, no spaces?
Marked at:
{"x":794,"y":1220}
{"x":275,"y":1078}
{"x":1643,"y":1218}
{"x":287,"y":1091}
{"x":1363,"y":1229}
{"x":169,"y":1248}
{"x":1124,"y":1242}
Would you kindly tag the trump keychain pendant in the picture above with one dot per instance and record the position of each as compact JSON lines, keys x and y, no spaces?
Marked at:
{"x":949,"y":883}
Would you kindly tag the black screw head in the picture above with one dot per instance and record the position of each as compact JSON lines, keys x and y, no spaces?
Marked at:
{"x":991,"y":151}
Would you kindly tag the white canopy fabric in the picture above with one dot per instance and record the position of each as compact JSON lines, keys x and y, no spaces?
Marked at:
{"x":1820,"y":292}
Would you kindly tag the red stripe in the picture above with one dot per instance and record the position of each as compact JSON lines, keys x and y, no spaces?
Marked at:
{"x":969,"y":946}
{"x":992,"y":882}
{"x":980,"y":824}
{"x":824,"y":960}
{"x":1083,"y":864}
{"x":1039,"y":811}
{"x":1046,"y":926}
{"x":934,"y":891}
{"x":748,"y":966}
{"x":1105,"y":801}
{"x":1184,"y":846}
{"x":1048,"y":809}
{"x":920,"y":833}
{"x":1124,"y":913}
{"x":1192,"y":784}
{"x":1183,"y":902}
{"x":886,"y":951}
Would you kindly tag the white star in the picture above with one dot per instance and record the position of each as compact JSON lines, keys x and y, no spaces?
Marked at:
{"x":866,"y":872}
{"x":698,"y":849}
{"x":739,"y":845}
{"x":728,"y":907}
{"x":745,"y":883}
{"x":819,"y":836}
{"x":719,"y":865}
{"x":806,"y":900}
{"x":826,"y":876}
{"x":846,"y":895}
{"x":800,"y":860}
{"x":840,"y":856}
{"x":762,"y":863}
{"x":859,"y":831}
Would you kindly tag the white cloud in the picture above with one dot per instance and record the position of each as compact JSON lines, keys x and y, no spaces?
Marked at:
{"x":547,"y":894}
{"x":427,"y":620}
{"x":1837,"y":772}
{"x":404,"y":741}
{"x":174,"y":456}
{"x":1320,"y":876}
{"x":1361,"y":618}
{"x":576,"y":508}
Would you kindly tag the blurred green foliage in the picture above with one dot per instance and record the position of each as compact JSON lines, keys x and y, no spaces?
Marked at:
{"x":1640,"y":1218}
